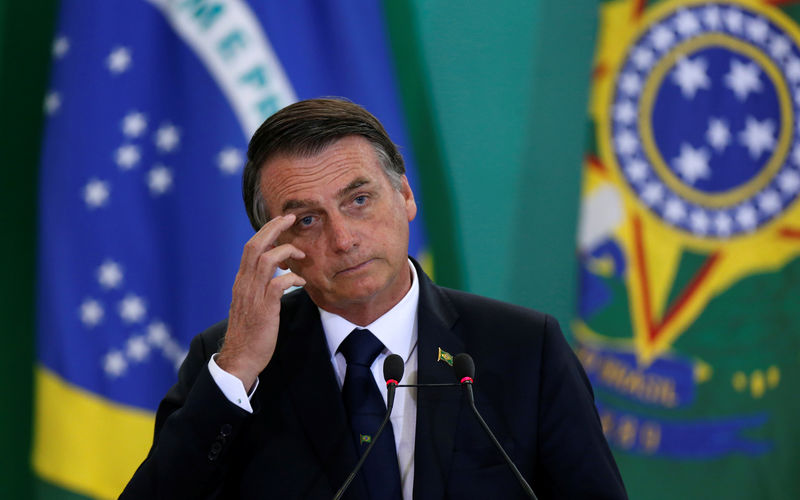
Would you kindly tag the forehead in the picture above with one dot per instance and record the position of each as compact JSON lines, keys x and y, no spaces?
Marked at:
{"x":316,"y":177}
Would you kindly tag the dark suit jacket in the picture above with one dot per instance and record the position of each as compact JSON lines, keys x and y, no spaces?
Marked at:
{"x":529,"y":387}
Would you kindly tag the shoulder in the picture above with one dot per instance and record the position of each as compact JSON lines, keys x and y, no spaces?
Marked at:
{"x":483,"y":311}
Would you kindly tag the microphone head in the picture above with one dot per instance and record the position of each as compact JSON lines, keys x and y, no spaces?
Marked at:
{"x":393,"y":367}
{"x":464,"y":366}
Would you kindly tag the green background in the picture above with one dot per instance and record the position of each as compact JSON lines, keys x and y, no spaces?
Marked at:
{"x":507,"y":84}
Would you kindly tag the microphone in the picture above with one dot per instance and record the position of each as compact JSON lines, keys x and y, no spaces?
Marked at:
{"x":465,"y":371}
{"x":393,"y":367}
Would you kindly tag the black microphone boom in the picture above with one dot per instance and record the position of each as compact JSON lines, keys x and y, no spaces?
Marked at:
{"x":393,"y":367}
{"x":465,"y":371}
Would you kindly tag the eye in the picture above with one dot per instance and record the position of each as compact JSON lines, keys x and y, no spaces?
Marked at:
{"x":305,"y":221}
{"x":360,"y":200}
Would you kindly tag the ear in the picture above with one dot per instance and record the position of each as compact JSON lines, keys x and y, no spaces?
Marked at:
{"x":408,"y":197}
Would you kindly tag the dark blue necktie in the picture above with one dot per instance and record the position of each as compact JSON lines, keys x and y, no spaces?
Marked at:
{"x":366,"y":410}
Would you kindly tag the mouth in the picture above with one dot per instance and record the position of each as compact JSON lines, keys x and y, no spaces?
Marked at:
{"x":354,"y":269}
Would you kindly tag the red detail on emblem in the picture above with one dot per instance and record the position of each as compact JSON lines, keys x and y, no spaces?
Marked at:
{"x":781,"y":2}
{"x":691,"y":288}
{"x":638,"y":9}
{"x":595,"y":164}
{"x":599,"y":71}
{"x":789,"y":232}
{"x":655,"y":329}
{"x":642,"y":273}
{"x":466,"y":380}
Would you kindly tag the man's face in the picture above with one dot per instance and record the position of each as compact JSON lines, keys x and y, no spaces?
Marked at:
{"x":351,"y":223}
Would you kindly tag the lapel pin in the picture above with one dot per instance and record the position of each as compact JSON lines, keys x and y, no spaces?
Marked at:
{"x":364,"y":439}
{"x":445,"y":356}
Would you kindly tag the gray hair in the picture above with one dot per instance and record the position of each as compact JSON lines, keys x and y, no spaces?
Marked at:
{"x":305,"y":129}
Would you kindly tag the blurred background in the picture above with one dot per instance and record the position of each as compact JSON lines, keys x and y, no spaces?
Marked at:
{"x":669,"y":258}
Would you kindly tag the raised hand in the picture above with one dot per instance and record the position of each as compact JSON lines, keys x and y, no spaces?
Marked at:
{"x":254,"y":315}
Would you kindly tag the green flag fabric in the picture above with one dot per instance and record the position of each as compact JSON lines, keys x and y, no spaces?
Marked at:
{"x":689,"y":246}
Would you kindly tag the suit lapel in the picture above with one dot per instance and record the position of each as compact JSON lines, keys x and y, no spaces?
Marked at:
{"x":437,"y":408}
{"x":316,"y":395}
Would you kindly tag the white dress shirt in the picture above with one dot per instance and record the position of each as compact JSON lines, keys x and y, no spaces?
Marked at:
{"x":397,"y":329}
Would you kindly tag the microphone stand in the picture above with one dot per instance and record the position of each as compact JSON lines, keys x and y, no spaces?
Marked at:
{"x":465,"y":370}
{"x":471,"y":399}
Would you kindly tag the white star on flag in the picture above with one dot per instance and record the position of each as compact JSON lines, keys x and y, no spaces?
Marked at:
{"x":636,"y":170}
{"x":712,"y":17}
{"x":686,"y":23}
{"x":769,"y":202}
{"x":758,"y":136}
{"x":167,"y":137}
{"x":625,"y":112}
{"x":757,"y":29}
{"x":699,"y":221}
{"x":723,"y":224}
{"x":746,"y":217}
{"x":127,"y":156}
{"x":796,"y":155}
{"x":793,"y":70}
{"x":96,"y":193}
{"x":630,"y":83}
{"x":642,"y":58}
{"x":60,"y":47}
{"x":734,"y":20}
{"x":109,"y":274}
{"x":91,"y":312}
{"x":743,"y":78}
{"x":718,"y":134}
{"x":132,"y":309}
{"x":662,"y":37}
{"x":653,"y":193}
{"x":137,"y":348}
{"x":119,"y":60}
{"x":157,"y":333}
{"x":779,"y":47}
{"x":691,"y":75}
{"x":134,"y":124}
{"x":230,"y":160}
{"x":159,"y":180}
{"x":627,"y":142}
{"x":674,"y":210}
{"x":692,"y":163}
{"x":789,"y":182}
{"x":52,"y":102}
{"x":115,"y":364}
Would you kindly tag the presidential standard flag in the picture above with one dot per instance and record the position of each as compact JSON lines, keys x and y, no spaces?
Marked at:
{"x":688,"y":322}
{"x":150,"y":107}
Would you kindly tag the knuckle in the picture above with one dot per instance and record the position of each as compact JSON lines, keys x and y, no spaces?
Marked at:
{"x":250,"y":246}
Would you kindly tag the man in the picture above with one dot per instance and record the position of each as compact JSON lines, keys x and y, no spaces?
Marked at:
{"x":268,"y":403}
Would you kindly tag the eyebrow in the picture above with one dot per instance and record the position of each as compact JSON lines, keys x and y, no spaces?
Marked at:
{"x":355,"y":184}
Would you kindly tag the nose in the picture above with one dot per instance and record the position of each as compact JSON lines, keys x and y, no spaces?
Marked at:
{"x":341,"y":234}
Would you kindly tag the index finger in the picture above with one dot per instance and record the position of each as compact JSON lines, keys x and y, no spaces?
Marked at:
{"x":265,"y":238}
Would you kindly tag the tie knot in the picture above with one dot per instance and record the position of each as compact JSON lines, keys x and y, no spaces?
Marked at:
{"x":361,"y":347}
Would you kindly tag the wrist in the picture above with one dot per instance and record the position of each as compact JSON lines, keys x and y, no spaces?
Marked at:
{"x":238,"y":369}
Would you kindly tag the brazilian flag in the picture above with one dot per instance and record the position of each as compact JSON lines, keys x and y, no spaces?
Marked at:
{"x":689,"y":246}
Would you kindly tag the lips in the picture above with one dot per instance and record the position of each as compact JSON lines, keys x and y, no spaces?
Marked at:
{"x":354,"y":268}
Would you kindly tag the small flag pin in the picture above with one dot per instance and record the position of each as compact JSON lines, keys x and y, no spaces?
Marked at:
{"x":445,"y":356}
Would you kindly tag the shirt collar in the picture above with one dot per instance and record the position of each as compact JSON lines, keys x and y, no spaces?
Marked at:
{"x":396,"y":328}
